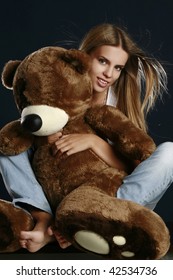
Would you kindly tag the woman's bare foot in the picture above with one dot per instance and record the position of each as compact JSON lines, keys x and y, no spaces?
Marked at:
{"x":63,"y":243}
{"x":42,"y":234}
{"x":37,"y":238}
{"x":34,"y":240}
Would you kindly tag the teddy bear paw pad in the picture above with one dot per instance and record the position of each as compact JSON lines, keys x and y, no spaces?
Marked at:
{"x":92,"y":242}
{"x":128,"y":254}
{"x":119,"y":240}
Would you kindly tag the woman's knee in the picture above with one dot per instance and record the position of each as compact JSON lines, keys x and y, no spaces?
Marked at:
{"x":11,"y":161}
{"x":165,"y":151}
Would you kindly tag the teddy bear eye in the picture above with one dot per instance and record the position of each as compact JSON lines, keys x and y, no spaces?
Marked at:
{"x":21,"y":98}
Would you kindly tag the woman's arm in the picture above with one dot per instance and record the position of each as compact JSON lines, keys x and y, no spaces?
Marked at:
{"x":74,"y":143}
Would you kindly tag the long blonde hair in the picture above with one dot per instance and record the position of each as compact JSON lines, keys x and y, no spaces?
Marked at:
{"x":141,"y":81}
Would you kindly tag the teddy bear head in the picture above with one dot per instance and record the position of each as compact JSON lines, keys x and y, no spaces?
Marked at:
{"x":50,"y":86}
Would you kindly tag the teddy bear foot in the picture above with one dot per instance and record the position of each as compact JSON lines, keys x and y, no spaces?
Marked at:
{"x":12,"y":221}
{"x":110,"y":227}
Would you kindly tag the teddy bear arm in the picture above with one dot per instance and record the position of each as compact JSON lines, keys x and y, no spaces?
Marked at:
{"x":129,"y":140}
{"x":14,"y":140}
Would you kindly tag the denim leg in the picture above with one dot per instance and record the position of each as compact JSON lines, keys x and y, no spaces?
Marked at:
{"x":21,"y":183}
{"x":150,"y":179}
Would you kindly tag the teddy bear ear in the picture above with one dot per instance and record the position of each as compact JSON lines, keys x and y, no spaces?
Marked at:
{"x":77,"y":59}
{"x":8,"y":73}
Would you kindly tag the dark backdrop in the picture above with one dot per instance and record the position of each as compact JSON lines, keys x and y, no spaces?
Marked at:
{"x":26,"y":25}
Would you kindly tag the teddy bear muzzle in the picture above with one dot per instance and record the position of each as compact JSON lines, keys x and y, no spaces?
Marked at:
{"x":43,"y":120}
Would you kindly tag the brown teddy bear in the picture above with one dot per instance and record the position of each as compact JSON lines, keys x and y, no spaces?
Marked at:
{"x":52,"y":90}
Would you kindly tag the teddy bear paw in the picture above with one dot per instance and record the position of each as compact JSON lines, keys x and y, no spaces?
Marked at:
{"x":95,"y":243}
{"x":111,"y":227}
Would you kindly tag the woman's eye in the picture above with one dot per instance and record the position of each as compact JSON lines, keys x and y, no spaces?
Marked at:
{"x":118,"y":68}
{"x":102,"y":60}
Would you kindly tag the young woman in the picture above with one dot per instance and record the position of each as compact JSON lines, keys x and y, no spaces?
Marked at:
{"x":122,"y":76}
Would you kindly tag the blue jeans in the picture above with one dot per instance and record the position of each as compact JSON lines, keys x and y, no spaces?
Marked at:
{"x":20,"y":182}
{"x":150,"y":179}
{"x":146,"y":184}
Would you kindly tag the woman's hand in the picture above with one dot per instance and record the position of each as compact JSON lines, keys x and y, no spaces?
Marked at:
{"x":39,"y":141}
{"x":74,"y":143}
{"x":51,"y":139}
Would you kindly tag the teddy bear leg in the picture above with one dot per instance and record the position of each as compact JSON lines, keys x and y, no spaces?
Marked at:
{"x":111,"y":228}
{"x":12,"y":221}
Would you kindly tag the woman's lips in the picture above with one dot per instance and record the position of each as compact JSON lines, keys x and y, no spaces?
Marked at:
{"x":102,"y":83}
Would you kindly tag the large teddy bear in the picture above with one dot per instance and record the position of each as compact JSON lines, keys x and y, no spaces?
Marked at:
{"x":53,"y":91}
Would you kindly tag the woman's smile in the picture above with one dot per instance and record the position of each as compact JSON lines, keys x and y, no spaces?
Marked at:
{"x":102,"y":83}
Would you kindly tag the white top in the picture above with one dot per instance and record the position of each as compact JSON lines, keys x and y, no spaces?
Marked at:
{"x":111,"y":98}
{"x":111,"y":101}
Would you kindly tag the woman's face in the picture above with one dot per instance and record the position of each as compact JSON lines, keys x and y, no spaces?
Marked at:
{"x":107,"y":63}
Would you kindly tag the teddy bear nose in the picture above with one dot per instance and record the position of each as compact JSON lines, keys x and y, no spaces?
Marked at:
{"x":31,"y":122}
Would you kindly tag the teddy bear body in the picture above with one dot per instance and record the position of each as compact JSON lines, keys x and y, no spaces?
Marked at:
{"x":82,"y":167}
{"x":53,"y":91}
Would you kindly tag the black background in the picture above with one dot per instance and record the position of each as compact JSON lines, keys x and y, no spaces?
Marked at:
{"x":26,"y":25}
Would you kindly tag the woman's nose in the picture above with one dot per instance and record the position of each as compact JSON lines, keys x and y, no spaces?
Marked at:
{"x":108,"y":72}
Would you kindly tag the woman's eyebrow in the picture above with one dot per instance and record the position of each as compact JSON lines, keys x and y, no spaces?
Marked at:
{"x":119,"y":65}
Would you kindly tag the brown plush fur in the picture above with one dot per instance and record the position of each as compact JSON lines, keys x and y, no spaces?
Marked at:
{"x":12,"y":221}
{"x":81,"y":188}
